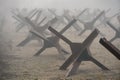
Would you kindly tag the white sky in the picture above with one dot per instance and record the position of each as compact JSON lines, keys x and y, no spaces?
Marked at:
{"x":5,"y":5}
{"x":70,"y":3}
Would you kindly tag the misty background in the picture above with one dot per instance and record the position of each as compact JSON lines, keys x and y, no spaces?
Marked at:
{"x":8,"y":26}
{"x":7,"y":5}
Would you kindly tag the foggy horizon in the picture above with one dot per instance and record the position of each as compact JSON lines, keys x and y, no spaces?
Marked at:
{"x":6,"y":5}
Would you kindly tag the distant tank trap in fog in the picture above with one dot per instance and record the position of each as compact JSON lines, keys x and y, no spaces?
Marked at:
{"x":60,"y":40}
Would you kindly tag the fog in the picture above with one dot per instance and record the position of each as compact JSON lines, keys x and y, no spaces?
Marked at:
{"x":17,"y":63}
{"x":70,"y":3}
{"x":6,"y":5}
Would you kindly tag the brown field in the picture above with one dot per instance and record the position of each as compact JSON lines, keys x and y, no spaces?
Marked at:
{"x":22,"y":65}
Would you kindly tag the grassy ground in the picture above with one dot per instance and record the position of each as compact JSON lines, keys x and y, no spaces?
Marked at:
{"x":22,"y":65}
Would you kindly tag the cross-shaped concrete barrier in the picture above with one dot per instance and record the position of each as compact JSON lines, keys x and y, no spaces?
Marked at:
{"x":90,"y":25}
{"x":69,"y":18}
{"x":53,"y":41}
{"x":41,"y":30}
{"x":80,"y":52}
